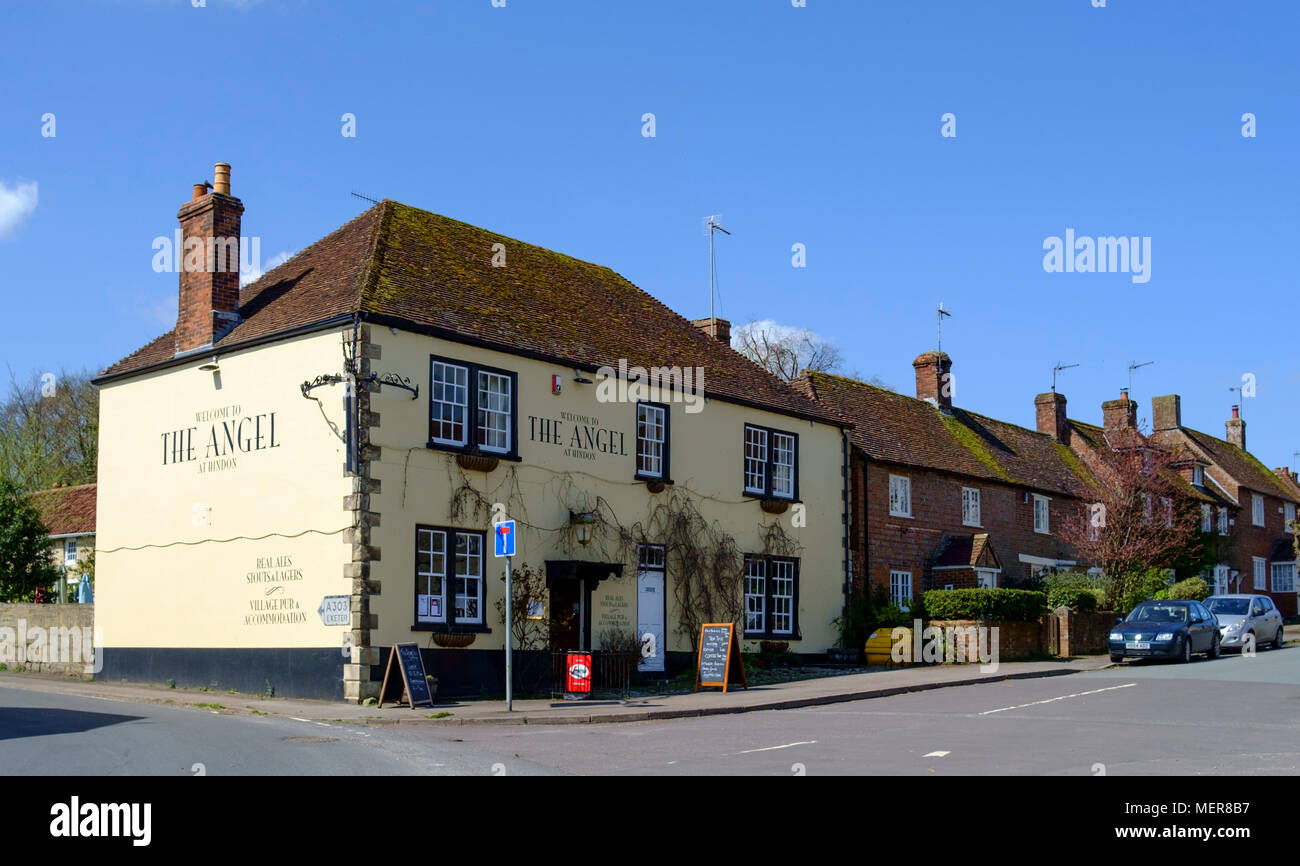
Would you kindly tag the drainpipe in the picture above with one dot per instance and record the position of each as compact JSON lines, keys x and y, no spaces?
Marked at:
{"x":847,"y":495}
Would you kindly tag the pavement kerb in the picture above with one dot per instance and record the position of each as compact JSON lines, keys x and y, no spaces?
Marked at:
{"x":733,"y":709}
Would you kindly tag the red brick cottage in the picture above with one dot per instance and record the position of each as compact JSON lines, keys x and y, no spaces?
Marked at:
{"x":943,"y":497}
{"x":1262,"y":557}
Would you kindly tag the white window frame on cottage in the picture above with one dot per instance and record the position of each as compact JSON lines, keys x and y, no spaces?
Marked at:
{"x":900,"y":588}
{"x":1198,"y":476}
{"x":986,"y":578}
{"x":771,"y":462}
{"x":1257,"y":509}
{"x":1284,"y":576}
{"x":1288,"y":512}
{"x":1221,"y":578}
{"x":1168,"y":505}
{"x":1207,"y":518}
{"x":495,"y":411}
{"x":900,"y":496}
{"x":1260,"y":566}
{"x":452,"y":561}
{"x":1045,"y":526}
{"x":450,"y":392}
{"x":651,"y":439}
{"x":69,"y":552}
{"x":970,"y":506}
{"x":1223,"y":520}
{"x":467,"y":398}
{"x":755,"y":459}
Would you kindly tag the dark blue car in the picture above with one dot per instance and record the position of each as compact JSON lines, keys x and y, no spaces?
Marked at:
{"x":1165,"y":629}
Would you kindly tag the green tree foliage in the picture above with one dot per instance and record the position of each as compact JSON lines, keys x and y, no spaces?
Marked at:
{"x":49,"y":430}
{"x":25,"y":564}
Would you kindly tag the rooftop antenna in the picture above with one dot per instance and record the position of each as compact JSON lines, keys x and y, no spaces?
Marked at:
{"x":940,"y":313}
{"x":1136,"y":366}
{"x":1241,"y":404}
{"x":366,"y":197}
{"x":713,"y":225}
{"x":1058,"y":368}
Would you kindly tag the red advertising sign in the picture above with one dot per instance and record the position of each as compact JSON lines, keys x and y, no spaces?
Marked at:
{"x":578,"y":677}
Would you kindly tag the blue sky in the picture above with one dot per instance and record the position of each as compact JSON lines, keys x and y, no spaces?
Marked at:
{"x":817,"y":125}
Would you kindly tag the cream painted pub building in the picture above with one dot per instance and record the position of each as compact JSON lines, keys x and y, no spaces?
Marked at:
{"x":305,"y":472}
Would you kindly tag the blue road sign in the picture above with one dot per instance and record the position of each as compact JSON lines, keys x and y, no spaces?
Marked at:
{"x":504,"y":533}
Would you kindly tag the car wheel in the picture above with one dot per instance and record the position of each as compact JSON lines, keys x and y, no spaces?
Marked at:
{"x":1116,"y":659}
{"x":1185,"y":656}
{"x":1215,"y":651}
{"x":1278,"y":640}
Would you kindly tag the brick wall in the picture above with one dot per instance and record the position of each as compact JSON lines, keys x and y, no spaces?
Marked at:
{"x":1016,"y":640}
{"x":900,"y":543}
{"x":52,"y":638}
{"x":1081,"y":633}
{"x":1252,"y":541}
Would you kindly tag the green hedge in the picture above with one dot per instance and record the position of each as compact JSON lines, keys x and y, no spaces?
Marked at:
{"x":1192,"y":589}
{"x":988,"y":604}
{"x":1079,"y":598}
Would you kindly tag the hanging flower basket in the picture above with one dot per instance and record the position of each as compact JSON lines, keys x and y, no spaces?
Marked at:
{"x":477,"y":462}
{"x":655,"y":486}
{"x":453,"y":640}
{"x":775,"y":506}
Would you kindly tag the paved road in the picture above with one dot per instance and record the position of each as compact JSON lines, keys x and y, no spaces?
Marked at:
{"x":54,"y":734}
{"x":1234,"y":716}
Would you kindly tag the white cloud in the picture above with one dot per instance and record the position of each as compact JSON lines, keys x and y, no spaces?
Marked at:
{"x":16,"y":204}
{"x":252,"y":274}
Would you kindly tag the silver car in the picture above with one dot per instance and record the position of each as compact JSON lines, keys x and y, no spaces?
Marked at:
{"x":1244,"y":615}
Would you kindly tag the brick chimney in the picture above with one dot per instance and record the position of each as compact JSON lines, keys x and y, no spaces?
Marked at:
{"x":1166,"y":412}
{"x":209,"y":264}
{"x":718,"y":329}
{"x":1051,"y":416}
{"x":934,"y":383}
{"x":1236,"y":429}
{"x":1119,"y":414}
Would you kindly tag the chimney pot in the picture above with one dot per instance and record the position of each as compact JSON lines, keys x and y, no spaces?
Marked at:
{"x":221,"y":178}
{"x":718,"y":329}
{"x":1052,"y":420}
{"x":1236,"y":429}
{"x":934,"y":382}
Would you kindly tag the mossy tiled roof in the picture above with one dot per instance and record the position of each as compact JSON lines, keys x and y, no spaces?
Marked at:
{"x":401,"y":265}
{"x":66,"y":510}
{"x":1238,"y":464}
{"x":894,"y":428}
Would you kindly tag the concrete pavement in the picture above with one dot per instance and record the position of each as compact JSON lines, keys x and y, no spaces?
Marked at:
{"x":447,"y":713}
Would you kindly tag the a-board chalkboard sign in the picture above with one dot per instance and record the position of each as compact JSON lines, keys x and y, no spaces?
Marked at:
{"x":719,"y":661}
{"x":415,"y":691}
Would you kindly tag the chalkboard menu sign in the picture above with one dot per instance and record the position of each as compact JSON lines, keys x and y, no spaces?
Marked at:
{"x":406,"y":657}
{"x":719,"y":645}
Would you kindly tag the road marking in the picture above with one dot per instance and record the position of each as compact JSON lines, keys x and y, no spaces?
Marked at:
{"x":774,"y":748}
{"x":296,"y":719}
{"x":937,"y":755}
{"x":1061,"y":698}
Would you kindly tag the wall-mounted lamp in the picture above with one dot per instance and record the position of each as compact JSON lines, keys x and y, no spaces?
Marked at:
{"x":583,"y":524}
{"x":580,"y":379}
{"x":211,"y":366}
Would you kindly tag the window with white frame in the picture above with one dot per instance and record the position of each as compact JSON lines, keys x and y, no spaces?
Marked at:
{"x":494,"y":414}
{"x":1284,"y":577}
{"x":1167,"y":506}
{"x":651,"y":440}
{"x":1261,"y":572}
{"x":986,"y":578}
{"x":1221,"y":579}
{"x":771,"y":596}
{"x":448,"y":403}
{"x":900,"y":496}
{"x":770,"y":462}
{"x":1289,"y":516}
{"x":1257,"y":509}
{"x":970,"y":506}
{"x":443,"y":597}
{"x":1223,"y":520}
{"x":1042,"y":514}
{"x":70,"y":552}
{"x":1146,"y":507}
{"x":1207,"y":518}
{"x":459,"y":392}
{"x":1198,"y":476}
{"x":900,"y":589}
